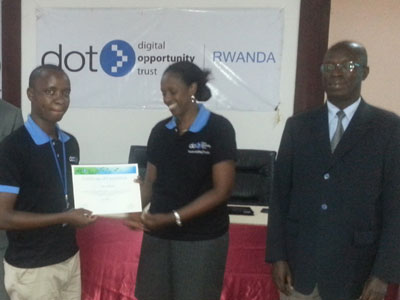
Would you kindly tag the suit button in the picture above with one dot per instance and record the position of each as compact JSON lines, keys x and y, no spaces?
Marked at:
{"x":324,"y":206}
{"x":327,"y":176}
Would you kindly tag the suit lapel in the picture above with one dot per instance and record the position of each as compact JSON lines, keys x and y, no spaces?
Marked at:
{"x":359,"y":125}
{"x":320,"y":130}
{"x":4,"y":120}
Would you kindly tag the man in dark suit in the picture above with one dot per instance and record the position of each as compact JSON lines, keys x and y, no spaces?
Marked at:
{"x":10,"y":119}
{"x":334,"y":225}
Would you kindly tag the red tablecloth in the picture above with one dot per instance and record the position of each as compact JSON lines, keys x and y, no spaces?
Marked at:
{"x":247,"y":276}
{"x":110,"y":254}
{"x":109,"y":257}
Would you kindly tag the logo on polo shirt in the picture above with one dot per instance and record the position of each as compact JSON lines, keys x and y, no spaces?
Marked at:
{"x":199,"y":148}
{"x":73,"y":160}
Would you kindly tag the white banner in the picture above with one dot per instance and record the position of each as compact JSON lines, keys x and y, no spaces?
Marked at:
{"x":115,"y":57}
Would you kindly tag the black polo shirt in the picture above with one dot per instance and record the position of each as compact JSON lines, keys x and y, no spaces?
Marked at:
{"x":184,"y":171}
{"x":28,"y":169}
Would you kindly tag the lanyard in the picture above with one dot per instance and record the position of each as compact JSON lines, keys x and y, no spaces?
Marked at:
{"x":63,"y":176}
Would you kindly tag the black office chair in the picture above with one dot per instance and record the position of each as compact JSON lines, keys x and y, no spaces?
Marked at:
{"x":138,"y":155}
{"x":254,"y":174}
{"x":254,"y":177}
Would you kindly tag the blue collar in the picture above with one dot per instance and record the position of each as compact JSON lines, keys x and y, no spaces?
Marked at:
{"x":39,"y":136}
{"x":198,"y":124}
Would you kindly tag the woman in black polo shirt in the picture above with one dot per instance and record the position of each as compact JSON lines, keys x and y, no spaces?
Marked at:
{"x":189,"y":177}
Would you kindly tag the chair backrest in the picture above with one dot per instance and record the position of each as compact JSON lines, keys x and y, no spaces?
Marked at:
{"x":138,"y":155}
{"x":254,"y":177}
{"x":254,"y":174}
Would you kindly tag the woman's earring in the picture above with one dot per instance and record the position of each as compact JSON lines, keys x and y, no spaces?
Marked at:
{"x":193,"y":99}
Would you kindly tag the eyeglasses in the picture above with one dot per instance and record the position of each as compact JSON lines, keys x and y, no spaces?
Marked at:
{"x":346,"y":67}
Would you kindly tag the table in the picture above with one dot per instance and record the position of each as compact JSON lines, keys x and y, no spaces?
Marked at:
{"x":110,"y":255}
{"x":247,"y":276}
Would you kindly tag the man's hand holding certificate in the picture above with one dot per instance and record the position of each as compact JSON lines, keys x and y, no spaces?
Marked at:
{"x":107,"y":189}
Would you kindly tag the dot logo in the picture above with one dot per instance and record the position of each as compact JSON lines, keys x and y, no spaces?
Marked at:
{"x":117,"y":58}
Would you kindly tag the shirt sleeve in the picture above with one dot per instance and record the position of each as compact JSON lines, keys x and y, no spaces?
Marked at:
{"x":151,"y":145}
{"x":10,"y":167}
{"x":224,"y":142}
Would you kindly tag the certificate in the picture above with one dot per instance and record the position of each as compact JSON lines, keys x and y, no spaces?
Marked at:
{"x":106,"y":189}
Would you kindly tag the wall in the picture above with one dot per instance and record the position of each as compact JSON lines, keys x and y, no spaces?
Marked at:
{"x":105,"y":135}
{"x":376,"y":24}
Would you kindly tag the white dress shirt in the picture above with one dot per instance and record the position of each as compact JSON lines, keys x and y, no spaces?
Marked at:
{"x":333,"y":118}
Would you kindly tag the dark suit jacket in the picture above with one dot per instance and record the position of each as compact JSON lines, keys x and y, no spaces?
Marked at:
{"x":336,"y":217}
{"x":10,"y":118}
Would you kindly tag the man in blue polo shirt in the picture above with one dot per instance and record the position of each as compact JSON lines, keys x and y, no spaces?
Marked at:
{"x":36,"y":197}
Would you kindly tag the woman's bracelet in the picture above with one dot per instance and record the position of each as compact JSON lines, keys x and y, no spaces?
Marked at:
{"x":177,"y":218}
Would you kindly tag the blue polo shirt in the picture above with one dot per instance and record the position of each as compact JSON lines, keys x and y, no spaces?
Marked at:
{"x":28,"y":169}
